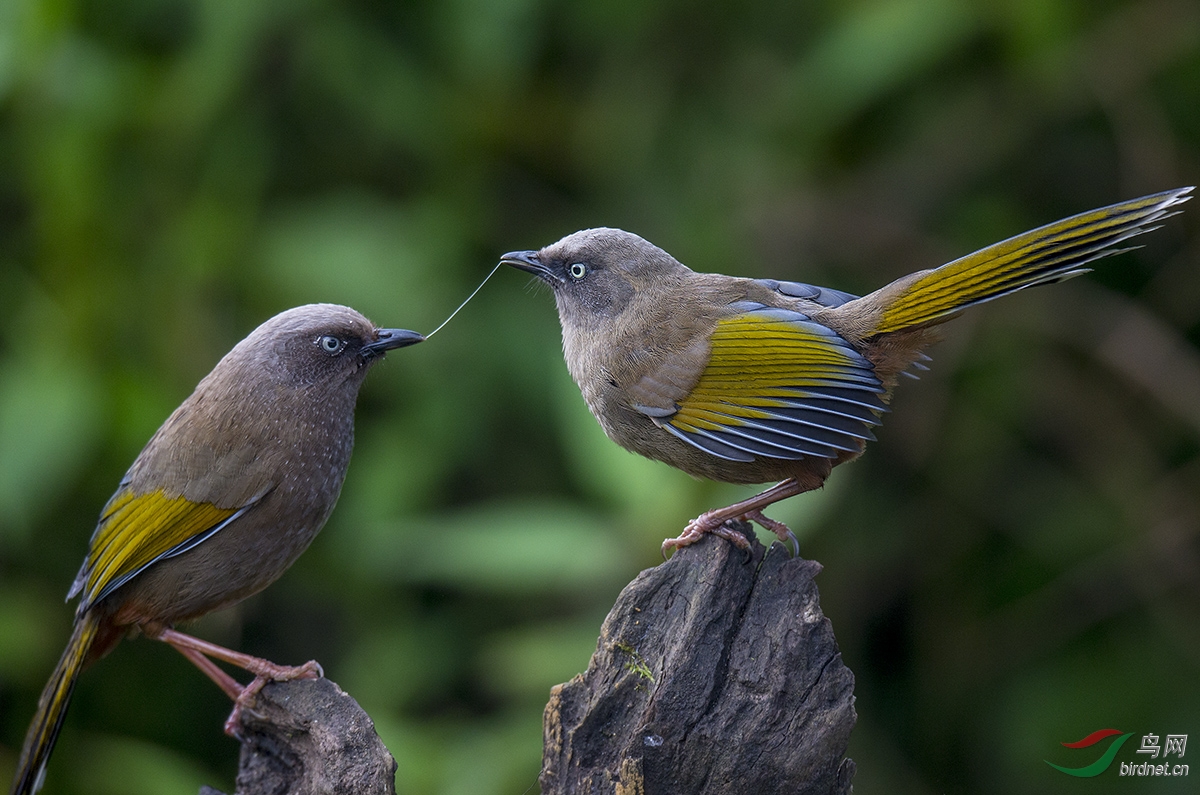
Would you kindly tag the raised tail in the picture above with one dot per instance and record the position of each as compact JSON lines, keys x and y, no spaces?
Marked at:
{"x":1048,"y":254}
{"x":52,"y":707}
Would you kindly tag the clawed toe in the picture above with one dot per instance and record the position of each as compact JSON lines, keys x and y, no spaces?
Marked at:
{"x":781,"y":530}
{"x":233,"y":724}
{"x":268,"y":673}
{"x":724,"y":521}
{"x":731,"y":529}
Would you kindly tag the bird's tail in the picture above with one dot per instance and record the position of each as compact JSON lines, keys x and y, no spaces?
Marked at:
{"x":52,"y":706}
{"x":1048,"y":254}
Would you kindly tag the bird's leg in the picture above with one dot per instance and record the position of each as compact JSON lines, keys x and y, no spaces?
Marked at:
{"x":230,"y":686}
{"x":714,"y":521}
{"x":198,"y":651}
{"x":255,"y":665}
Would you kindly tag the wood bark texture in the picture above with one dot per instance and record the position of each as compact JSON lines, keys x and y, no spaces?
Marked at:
{"x":715,"y":672}
{"x":306,"y":737}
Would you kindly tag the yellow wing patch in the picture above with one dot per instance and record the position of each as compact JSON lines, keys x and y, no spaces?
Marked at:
{"x":135,"y":530}
{"x":1044,"y":255}
{"x":778,"y":385}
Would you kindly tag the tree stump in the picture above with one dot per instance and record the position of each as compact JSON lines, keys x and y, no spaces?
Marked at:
{"x":715,"y":672}
{"x":306,"y":737}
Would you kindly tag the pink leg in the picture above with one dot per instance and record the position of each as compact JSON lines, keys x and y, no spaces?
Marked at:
{"x":224,"y":681}
{"x":198,"y":651}
{"x":711,"y":521}
{"x":255,"y":665}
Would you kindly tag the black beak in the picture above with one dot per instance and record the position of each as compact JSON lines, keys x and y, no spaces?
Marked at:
{"x":387,"y":339}
{"x":529,"y":262}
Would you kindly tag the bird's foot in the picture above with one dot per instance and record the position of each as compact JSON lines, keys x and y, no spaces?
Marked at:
{"x":723,"y":521}
{"x":233,"y":724}
{"x":733,"y":530}
{"x":711,"y":522}
{"x":782,"y":531}
{"x":268,"y":672}
{"x":273,"y":672}
{"x":199,"y":651}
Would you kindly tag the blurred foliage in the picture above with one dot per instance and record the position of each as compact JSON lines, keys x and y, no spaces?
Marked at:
{"x":1013,"y":565}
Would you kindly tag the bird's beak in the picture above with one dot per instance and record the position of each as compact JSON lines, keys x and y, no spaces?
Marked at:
{"x":387,"y":339}
{"x":527,"y":261}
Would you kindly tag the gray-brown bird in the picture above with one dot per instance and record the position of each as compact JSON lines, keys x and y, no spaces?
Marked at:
{"x":224,"y":497}
{"x":756,"y":380}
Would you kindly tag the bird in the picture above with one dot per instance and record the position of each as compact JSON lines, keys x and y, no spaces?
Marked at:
{"x":227,"y":493}
{"x":750,"y":381}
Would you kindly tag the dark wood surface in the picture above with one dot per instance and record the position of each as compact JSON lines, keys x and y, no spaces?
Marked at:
{"x":715,"y":672}
{"x":306,"y":737}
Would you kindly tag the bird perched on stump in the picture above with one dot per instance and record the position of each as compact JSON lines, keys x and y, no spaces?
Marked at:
{"x":224,"y":497}
{"x":757,"y":380}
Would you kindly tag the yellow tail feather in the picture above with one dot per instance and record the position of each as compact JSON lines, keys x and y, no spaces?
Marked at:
{"x":1048,"y":254}
{"x":52,"y":707}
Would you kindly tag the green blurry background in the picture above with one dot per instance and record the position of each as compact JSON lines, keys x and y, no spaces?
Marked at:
{"x":1014,"y":564}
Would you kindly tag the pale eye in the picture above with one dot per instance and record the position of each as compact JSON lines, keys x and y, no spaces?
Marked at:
{"x":330,"y":344}
{"x":577,"y":270}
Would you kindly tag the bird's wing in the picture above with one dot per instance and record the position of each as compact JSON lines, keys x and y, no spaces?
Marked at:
{"x":137,"y":530}
{"x":777,"y":385}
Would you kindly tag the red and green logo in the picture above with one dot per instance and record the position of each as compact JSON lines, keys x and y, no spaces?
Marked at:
{"x":1101,"y":764}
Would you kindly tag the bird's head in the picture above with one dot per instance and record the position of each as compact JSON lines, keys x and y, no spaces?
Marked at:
{"x":597,"y":274}
{"x":317,"y":344}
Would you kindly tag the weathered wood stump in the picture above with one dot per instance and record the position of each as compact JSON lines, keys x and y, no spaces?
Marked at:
{"x":306,"y":737}
{"x":715,"y":672}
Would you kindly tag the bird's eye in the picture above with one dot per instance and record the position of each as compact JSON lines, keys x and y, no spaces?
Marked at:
{"x":330,"y":344}
{"x":577,"y":270}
